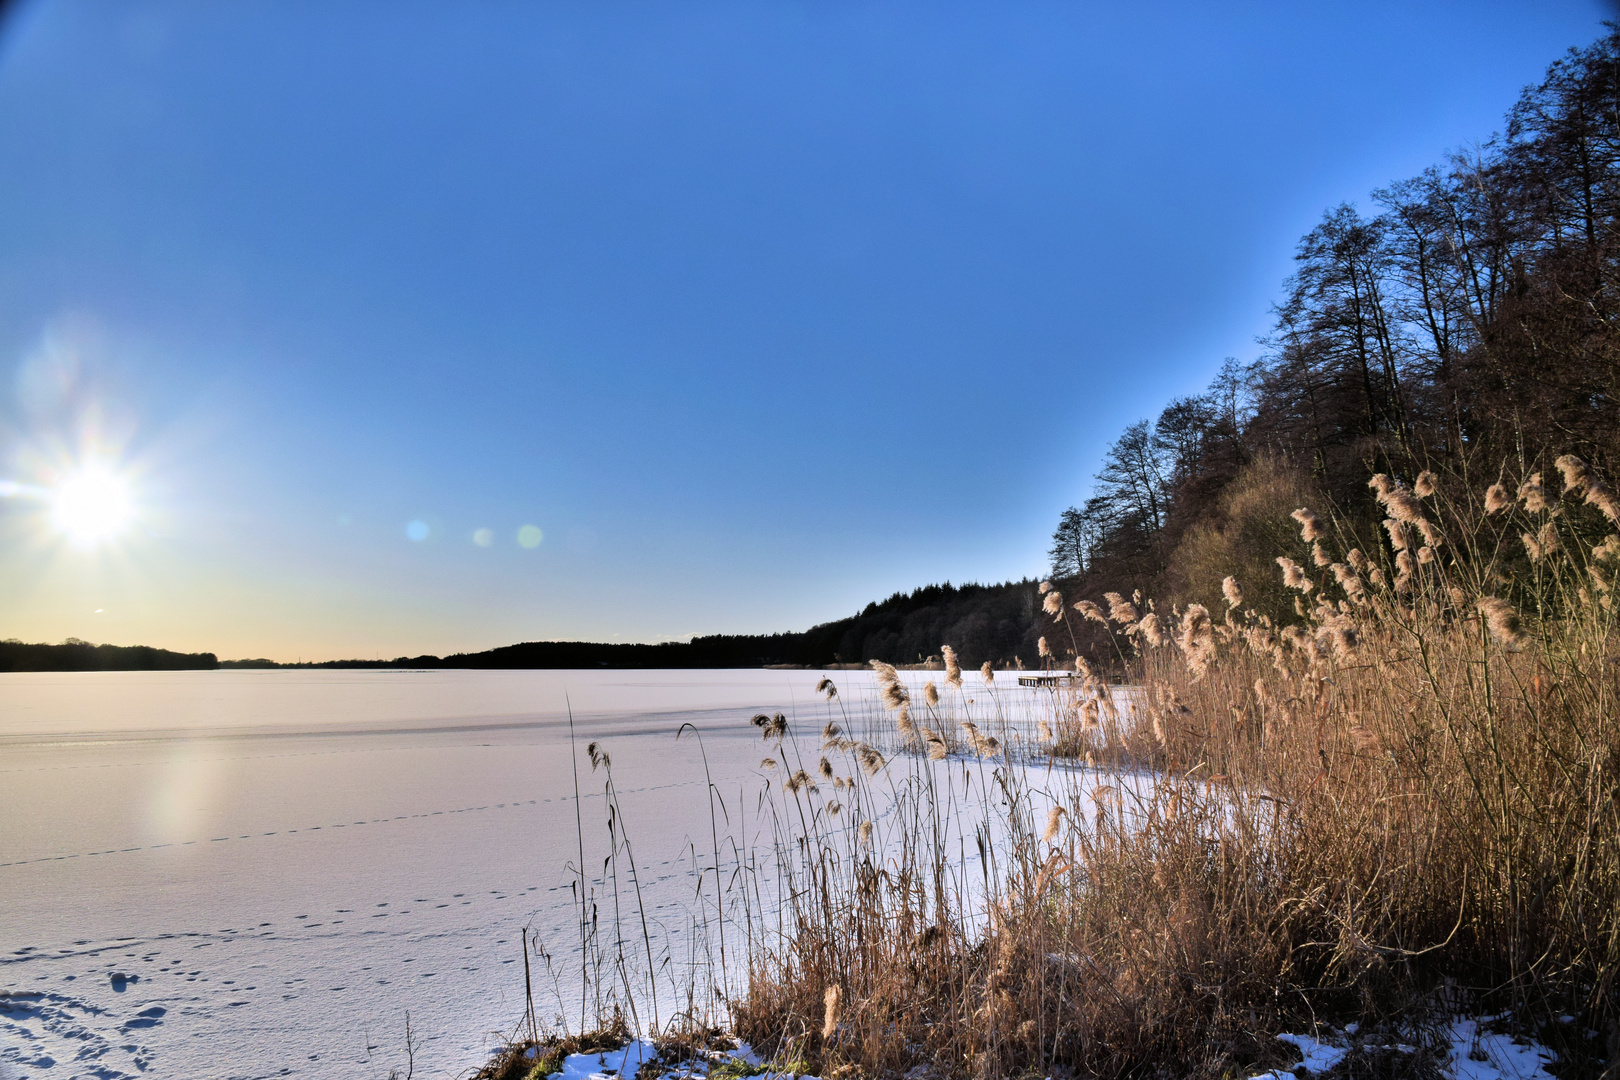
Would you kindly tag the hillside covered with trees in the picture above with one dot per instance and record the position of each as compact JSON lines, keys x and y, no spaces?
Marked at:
{"x":1465,"y":319}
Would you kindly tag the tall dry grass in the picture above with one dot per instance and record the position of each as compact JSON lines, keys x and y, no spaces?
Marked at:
{"x":1402,"y":801}
{"x":1406,"y":798}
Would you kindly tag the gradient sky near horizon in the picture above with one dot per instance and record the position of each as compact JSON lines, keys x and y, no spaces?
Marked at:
{"x":428,"y":327}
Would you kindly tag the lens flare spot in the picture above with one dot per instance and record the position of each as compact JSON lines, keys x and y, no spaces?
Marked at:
{"x":530,"y":536}
{"x":91,"y":506}
{"x":186,"y":795}
{"x":416,"y":531}
{"x":483,"y":537}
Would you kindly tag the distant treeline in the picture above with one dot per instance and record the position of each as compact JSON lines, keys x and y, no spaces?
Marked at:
{"x":1471,"y":319}
{"x":982,"y":622}
{"x":75,"y":655}
{"x":995,"y":623}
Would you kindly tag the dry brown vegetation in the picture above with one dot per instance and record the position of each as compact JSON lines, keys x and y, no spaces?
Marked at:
{"x":1397,"y":803}
{"x":1405,"y":800}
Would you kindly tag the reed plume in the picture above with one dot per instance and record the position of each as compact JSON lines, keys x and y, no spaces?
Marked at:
{"x":1397,"y":533}
{"x":1497,"y":499}
{"x":891,"y":690}
{"x":987,"y":673}
{"x":1533,"y":495}
{"x":1120,"y":609}
{"x":1580,"y":480}
{"x":1310,"y":526}
{"x":1232,"y":591}
{"x":770,"y":727}
{"x":1293,"y":576}
{"x":953,"y":669}
{"x":1502,"y":621}
{"x":1197,"y":639}
{"x":1148,"y":627}
{"x":1397,"y":499}
{"x":1091,"y":611}
{"x":832,"y":1005}
{"x":1053,"y":605}
{"x":1053,"y":820}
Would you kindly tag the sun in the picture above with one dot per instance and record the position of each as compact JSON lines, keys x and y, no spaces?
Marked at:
{"x":91,"y":506}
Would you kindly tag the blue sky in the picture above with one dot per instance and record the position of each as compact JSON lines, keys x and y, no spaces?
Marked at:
{"x":756,"y":311}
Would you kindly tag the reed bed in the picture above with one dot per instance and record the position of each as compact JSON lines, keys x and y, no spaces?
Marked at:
{"x":1397,"y":802}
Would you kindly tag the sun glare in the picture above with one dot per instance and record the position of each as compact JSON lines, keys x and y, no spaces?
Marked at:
{"x":91,"y":506}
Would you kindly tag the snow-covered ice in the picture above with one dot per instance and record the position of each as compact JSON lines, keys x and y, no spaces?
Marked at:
{"x":254,"y":874}
{"x":257,"y":873}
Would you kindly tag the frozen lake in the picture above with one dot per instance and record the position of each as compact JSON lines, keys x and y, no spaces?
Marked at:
{"x":255,"y":874}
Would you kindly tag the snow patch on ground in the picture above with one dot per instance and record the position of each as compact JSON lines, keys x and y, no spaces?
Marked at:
{"x":623,"y":1063}
{"x":626,"y":1063}
{"x":1319,"y":1057}
{"x":1477,"y":1054}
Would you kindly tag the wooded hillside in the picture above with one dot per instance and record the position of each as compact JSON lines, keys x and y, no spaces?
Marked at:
{"x":1467,"y":317}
